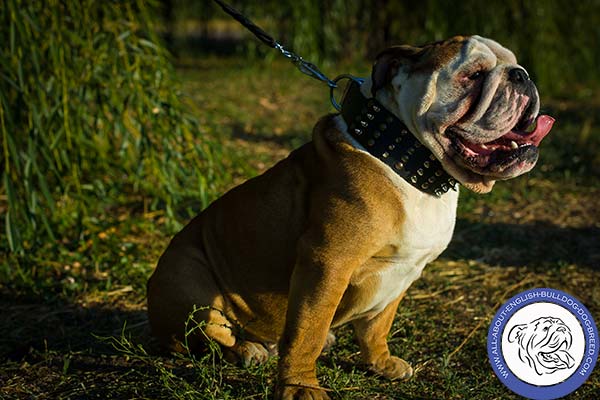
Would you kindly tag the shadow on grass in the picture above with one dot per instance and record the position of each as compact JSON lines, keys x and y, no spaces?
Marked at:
{"x":535,"y":245}
{"x":52,"y":343}
{"x":288,"y":139}
{"x":29,"y":326}
{"x":28,"y":323}
{"x":53,"y":349}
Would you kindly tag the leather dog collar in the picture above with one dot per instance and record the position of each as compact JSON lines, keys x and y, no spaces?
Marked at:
{"x":385,"y":137}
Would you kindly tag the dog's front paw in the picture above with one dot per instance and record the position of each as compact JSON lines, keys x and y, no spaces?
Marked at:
{"x":392,"y":368}
{"x":298,"y":392}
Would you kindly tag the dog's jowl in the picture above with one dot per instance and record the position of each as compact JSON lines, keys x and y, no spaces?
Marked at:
{"x":336,"y":234}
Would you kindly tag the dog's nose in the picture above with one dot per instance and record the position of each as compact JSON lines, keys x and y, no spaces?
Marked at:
{"x":518,"y":75}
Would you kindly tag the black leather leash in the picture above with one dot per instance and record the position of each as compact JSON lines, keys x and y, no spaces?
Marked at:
{"x":304,"y":66}
{"x":379,"y":131}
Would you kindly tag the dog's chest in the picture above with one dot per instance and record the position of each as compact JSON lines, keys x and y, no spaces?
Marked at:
{"x":425,"y":233}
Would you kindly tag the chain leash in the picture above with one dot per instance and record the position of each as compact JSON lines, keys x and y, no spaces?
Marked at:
{"x":304,"y":66}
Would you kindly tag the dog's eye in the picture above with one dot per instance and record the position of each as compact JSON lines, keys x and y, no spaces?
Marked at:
{"x":546,"y":329}
{"x":476,"y":75}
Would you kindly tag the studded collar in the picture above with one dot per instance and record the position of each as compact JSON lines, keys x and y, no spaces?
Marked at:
{"x":385,"y":137}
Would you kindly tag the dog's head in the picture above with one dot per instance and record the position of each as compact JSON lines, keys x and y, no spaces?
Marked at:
{"x":469,"y":102}
{"x":544,"y":344}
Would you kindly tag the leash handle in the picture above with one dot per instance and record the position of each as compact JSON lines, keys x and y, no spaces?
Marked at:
{"x":304,"y":66}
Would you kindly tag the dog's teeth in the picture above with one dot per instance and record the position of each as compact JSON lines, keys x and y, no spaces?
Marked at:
{"x":483,"y":146}
{"x":513,"y":145}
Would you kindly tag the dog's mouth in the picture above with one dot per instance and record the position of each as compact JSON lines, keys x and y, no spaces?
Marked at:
{"x":558,"y":357}
{"x":511,"y":154}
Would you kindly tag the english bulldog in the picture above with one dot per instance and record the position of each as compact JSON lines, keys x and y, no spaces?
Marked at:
{"x":332,"y":234}
{"x":544,"y":344}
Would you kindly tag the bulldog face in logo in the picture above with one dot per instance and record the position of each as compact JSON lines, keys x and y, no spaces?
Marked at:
{"x":544,"y":344}
{"x":470,"y":102}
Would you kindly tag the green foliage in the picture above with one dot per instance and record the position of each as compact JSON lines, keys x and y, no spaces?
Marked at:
{"x":89,"y":111}
{"x":555,"y":40}
{"x":539,"y":230}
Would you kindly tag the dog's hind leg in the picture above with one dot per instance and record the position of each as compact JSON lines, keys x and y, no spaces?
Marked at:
{"x":246,"y":353}
{"x":186,"y":307}
{"x":329,"y":342}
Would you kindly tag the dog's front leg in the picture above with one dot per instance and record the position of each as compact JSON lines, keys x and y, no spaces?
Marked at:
{"x":316,"y":289}
{"x":371,"y":333}
{"x":326,"y":258}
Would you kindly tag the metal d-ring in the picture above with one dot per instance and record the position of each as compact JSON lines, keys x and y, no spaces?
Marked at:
{"x":353,"y":78}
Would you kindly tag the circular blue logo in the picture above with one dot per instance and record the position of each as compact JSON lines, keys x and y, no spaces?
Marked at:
{"x":542,"y":344}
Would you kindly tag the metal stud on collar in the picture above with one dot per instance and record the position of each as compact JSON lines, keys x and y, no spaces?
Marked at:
{"x":385,"y":137}
{"x":349,"y":112}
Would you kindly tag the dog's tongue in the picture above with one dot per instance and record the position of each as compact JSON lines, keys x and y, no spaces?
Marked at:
{"x":564,"y":359}
{"x":543,"y":125}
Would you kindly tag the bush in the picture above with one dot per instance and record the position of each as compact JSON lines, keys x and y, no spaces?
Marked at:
{"x":89,"y":111}
{"x":555,"y":40}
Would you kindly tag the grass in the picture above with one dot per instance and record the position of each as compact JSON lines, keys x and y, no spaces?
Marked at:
{"x":89,"y":114}
{"x":73,"y":322}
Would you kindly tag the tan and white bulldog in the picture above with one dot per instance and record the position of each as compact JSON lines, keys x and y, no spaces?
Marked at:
{"x":331,"y":234}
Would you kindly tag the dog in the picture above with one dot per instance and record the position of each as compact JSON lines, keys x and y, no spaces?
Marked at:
{"x":544,"y":344}
{"x":335,"y":233}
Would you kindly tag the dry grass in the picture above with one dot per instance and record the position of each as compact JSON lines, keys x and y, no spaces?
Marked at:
{"x":62,"y":331}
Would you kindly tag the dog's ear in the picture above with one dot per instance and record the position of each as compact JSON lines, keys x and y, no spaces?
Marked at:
{"x":389,"y":61}
{"x":516,"y":332}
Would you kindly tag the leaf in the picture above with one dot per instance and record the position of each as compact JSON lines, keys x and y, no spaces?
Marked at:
{"x":12,"y":231}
